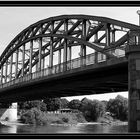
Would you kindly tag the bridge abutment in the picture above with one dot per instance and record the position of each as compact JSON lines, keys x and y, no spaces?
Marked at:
{"x":9,"y":114}
{"x":133,"y":55}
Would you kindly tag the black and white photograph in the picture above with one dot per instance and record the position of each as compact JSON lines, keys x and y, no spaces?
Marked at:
{"x":70,"y":70}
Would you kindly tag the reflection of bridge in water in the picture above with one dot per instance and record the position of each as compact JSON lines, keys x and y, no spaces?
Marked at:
{"x":73,"y":55}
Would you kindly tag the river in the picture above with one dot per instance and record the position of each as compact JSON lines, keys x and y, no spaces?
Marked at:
{"x":49,"y":129}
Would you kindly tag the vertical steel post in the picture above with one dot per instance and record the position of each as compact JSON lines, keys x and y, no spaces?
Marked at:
{"x":40,"y":53}
{"x":65,"y":46}
{"x":51,"y":48}
{"x":113,"y":36}
{"x":6,"y":65}
{"x":31,"y":52}
{"x":40,"y":49}
{"x":69,"y":57}
{"x":96,"y":53}
{"x":36,"y":64}
{"x":59,"y":55}
{"x":1,"y":74}
{"x":11,"y":64}
{"x":43,"y":60}
{"x":23,"y":58}
{"x":69,"y":53}
{"x":107,"y":35}
{"x":83,"y":47}
{"x":16,"y":67}
{"x":51,"y":53}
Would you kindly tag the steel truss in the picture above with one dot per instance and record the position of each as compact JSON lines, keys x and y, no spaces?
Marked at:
{"x":50,"y":42}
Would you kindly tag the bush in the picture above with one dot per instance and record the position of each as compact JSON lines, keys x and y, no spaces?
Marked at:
{"x":118,"y":107}
{"x":34,"y":116}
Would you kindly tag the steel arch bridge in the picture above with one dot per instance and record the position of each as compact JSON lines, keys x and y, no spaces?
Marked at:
{"x":61,"y":44}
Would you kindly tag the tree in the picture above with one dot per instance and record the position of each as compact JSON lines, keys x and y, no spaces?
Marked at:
{"x":74,"y":104}
{"x":33,"y":104}
{"x":118,"y":107}
{"x":53,"y":104}
{"x":64,"y":103}
{"x":92,"y":109}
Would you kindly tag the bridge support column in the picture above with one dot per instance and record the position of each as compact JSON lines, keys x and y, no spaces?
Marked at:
{"x":9,"y":114}
{"x":133,"y":55}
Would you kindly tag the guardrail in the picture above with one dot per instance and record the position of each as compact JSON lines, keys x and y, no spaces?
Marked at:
{"x":73,"y":64}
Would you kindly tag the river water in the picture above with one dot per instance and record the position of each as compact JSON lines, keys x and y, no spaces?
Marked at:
{"x":49,"y":129}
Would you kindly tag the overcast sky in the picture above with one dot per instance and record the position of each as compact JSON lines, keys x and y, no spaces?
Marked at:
{"x":14,"y":19}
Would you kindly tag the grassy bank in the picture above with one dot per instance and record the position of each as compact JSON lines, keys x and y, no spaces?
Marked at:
{"x":37,"y":117}
{"x":106,"y":119}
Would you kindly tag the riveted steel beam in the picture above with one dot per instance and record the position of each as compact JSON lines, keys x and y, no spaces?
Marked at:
{"x":74,"y":26}
{"x":2,"y":74}
{"x":94,"y":31}
{"x":51,"y":47}
{"x":107,"y":35}
{"x":23,"y":58}
{"x":47,"y":26}
{"x":6,"y":67}
{"x":78,"y":17}
{"x":11,"y":64}
{"x":58,"y":26}
{"x":16,"y":66}
{"x":40,"y":53}
{"x":31,"y":53}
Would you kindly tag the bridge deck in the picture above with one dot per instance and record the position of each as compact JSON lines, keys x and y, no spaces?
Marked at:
{"x":77,"y":77}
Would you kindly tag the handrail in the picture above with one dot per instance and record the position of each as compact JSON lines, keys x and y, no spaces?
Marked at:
{"x":90,"y":59}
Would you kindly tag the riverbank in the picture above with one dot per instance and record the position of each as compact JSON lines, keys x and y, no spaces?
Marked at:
{"x":37,"y":117}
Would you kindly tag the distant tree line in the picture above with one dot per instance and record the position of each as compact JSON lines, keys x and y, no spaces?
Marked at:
{"x":91,"y":109}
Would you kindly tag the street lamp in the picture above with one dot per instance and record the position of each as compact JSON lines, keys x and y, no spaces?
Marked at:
{"x":138,"y":12}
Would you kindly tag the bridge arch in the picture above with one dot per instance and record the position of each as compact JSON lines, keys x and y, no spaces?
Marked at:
{"x":37,"y":43}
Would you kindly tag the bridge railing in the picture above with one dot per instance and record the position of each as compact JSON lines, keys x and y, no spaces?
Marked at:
{"x":90,"y":59}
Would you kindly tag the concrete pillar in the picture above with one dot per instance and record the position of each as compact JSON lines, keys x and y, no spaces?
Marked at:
{"x":13,"y":112}
{"x":133,"y":55}
{"x":9,"y":114}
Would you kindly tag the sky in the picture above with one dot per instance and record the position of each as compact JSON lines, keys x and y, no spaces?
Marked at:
{"x":14,"y":19}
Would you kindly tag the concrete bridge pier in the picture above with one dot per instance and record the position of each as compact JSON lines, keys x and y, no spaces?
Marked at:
{"x":9,"y":114}
{"x":133,"y":55}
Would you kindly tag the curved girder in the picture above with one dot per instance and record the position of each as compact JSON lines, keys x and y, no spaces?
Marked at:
{"x":63,"y":17}
{"x":80,"y":36}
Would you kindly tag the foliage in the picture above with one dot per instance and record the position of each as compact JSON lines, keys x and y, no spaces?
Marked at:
{"x":92,"y":109}
{"x":64,"y":103}
{"x":34,"y":116}
{"x":37,"y":117}
{"x":118,"y":107}
{"x":31,"y":104}
{"x":74,"y":104}
{"x":53,"y":104}
{"x":5,"y":105}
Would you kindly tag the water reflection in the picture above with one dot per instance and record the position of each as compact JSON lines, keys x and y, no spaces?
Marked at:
{"x":8,"y":129}
{"x":49,"y":129}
